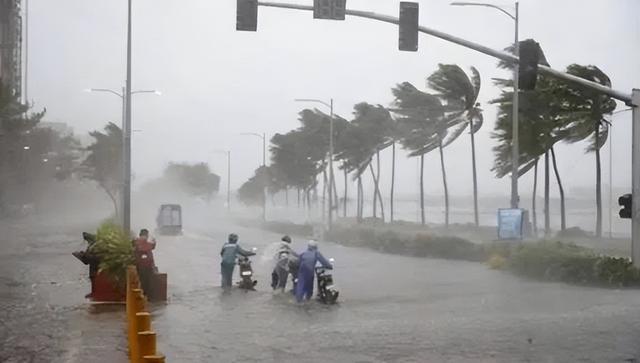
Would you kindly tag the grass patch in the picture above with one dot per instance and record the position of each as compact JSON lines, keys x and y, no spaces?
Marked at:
{"x":556,"y":261}
{"x":544,"y":260}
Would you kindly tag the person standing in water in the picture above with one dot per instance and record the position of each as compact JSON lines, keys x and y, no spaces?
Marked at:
{"x":283,"y":256}
{"x":229,"y":252}
{"x":306,"y":272}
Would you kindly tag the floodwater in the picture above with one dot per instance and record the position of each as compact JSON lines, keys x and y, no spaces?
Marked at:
{"x":392,"y":309}
{"x":44,"y":317}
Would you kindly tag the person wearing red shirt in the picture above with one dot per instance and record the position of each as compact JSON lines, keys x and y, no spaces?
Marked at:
{"x":144,"y":259}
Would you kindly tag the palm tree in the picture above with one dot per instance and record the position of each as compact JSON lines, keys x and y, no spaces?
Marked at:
{"x":585,"y":119}
{"x":368,"y":134}
{"x":460,"y":94}
{"x":541,"y":122}
{"x":422,"y":128}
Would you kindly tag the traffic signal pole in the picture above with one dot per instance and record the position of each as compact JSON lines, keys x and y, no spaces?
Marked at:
{"x":632,"y":100}
{"x":635,"y":180}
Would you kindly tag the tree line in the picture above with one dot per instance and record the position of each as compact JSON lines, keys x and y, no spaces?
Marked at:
{"x":31,"y":154}
{"x":424,"y":121}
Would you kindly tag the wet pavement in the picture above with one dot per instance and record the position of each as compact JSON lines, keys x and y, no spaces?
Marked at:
{"x":44,"y":316}
{"x":392,"y":309}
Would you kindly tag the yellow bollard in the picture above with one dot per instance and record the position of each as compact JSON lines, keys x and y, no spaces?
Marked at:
{"x":153,"y":358}
{"x":147,"y":343}
{"x":139,"y":302}
{"x":132,"y":306}
{"x":143,"y":321}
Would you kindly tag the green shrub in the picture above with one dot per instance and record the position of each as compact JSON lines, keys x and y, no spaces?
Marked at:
{"x":548,"y":261}
{"x":556,"y":261}
{"x":114,"y":249}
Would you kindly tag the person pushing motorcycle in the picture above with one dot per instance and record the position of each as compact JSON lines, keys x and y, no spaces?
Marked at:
{"x":306,"y":271}
{"x":229,"y":252}
{"x":283,"y":256}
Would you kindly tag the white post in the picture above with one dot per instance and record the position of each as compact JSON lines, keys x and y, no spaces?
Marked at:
{"x":515,"y":143}
{"x":331,"y":166}
{"x":635,"y":181}
{"x":126,"y":212}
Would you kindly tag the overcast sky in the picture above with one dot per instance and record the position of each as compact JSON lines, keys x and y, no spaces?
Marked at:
{"x":218,"y":83}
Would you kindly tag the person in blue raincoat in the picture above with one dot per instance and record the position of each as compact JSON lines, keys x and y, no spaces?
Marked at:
{"x":306,"y":272}
{"x":229,"y":252}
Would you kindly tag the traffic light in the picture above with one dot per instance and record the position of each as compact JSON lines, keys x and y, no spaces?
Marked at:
{"x":329,"y":9}
{"x":529,"y":59}
{"x":625,"y":202}
{"x":408,"y":26}
{"x":247,"y":15}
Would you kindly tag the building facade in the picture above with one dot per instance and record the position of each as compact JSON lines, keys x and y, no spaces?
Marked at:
{"x":11,"y":45}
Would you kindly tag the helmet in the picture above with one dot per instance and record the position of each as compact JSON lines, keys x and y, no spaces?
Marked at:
{"x":286,"y":239}
{"x":313,"y":245}
{"x":233,"y":238}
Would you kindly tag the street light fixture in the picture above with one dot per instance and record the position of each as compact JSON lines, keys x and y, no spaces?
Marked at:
{"x":228,"y":153}
{"x":126,"y":149}
{"x":262,"y":136}
{"x":515,"y":143}
{"x":330,"y":106}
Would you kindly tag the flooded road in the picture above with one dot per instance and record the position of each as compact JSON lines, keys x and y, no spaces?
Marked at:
{"x":44,"y":316}
{"x":392,"y":309}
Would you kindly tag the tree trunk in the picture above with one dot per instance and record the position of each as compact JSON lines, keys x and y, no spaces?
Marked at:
{"x":598,"y":185}
{"x":393,"y":179}
{"x":446,"y":188}
{"x":298,"y":197}
{"x":422,"y":190}
{"x":378,"y":185}
{"x":114,"y":200}
{"x":563,"y":216}
{"x":547,"y":217}
{"x":360,"y":199}
{"x":286,"y":196}
{"x":346,"y":176}
{"x":377,"y":192}
{"x":534,"y":216}
{"x":476,"y":217}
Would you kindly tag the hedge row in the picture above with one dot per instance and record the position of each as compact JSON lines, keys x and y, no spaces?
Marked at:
{"x":544,"y":260}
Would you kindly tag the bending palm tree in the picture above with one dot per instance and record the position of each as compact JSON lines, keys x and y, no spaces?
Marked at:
{"x":460,"y":94}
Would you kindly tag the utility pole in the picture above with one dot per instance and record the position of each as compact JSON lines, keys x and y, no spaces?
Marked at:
{"x":515,"y":143}
{"x":126,"y":192}
{"x":331,"y":166}
{"x":515,"y":148}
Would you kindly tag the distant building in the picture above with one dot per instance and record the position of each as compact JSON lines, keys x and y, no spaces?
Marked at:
{"x":11,"y":45}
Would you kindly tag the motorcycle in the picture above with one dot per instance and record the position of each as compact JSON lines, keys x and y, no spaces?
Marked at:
{"x":327,"y":292}
{"x":246,"y":273}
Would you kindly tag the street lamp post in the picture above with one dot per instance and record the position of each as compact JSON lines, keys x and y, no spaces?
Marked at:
{"x":515,"y":143}
{"x":228,"y":153}
{"x":331,"y":181}
{"x":125,"y":206}
{"x":262,"y":136}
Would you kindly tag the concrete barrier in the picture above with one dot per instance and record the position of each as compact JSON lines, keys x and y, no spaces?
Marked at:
{"x":141,"y":337}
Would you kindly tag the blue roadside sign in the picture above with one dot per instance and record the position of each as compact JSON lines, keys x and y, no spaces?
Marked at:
{"x":510,"y":224}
